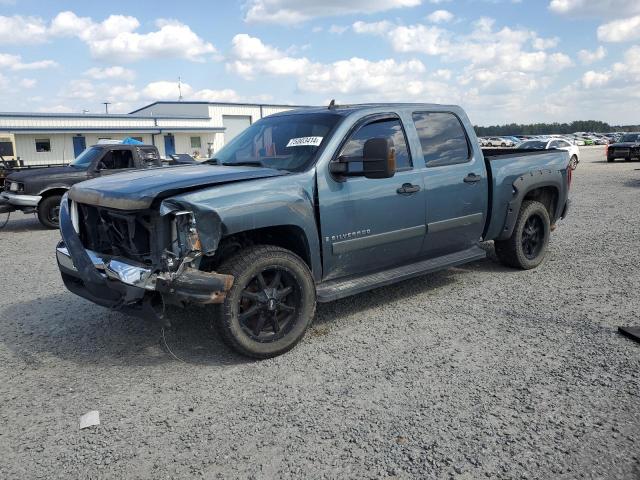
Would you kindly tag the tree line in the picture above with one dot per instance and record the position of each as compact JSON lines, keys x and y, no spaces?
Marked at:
{"x":551,"y":128}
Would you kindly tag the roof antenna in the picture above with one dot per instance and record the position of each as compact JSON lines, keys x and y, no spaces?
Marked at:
{"x":179,"y":89}
{"x":332,"y":104}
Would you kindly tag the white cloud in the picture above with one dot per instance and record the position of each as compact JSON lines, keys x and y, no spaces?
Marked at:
{"x":14,"y":62}
{"x":359,"y":76}
{"x":622,"y":30}
{"x":115,"y":38}
{"x":167,"y":90}
{"x":505,"y":50}
{"x":544,"y":43}
{"x":27,"y":82}
{"x":108,"y":73}
{"x":164,"y":90}
{"x":355,"y":77}
{"x":224,"y":95}
{"x":588,"y":57}
{"x":620,"y":75}
{"x":440,"y":16}
{"x":297,"y":11}
{"x":595,"y":79}
{"x":597,"y":8}
{"x":338,"y":29}
{"x":376,"y":28}
{"x":251,"y":57}
{"x":21,"y":30}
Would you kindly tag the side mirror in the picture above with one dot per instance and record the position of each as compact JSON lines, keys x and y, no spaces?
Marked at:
{"x":378,"y":158}
{"x":378,"y":161}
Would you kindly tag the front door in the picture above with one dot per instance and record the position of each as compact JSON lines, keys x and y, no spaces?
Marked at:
{"x":455,"y":181}
{"x":368,"y":224}
{"x":79,"y":145}
{"x":169,"y":145}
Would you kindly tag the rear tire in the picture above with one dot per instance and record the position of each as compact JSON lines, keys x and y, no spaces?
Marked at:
{"x":610,"y":160}
{"x":271,"y":303}
{"x":49,"y":211}
{"x":527,"y":246}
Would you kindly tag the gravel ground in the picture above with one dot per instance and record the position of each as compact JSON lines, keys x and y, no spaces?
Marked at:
{"x":473,"y":372}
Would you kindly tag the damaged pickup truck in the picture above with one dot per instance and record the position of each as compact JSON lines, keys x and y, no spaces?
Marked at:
{"x":308,"y":206}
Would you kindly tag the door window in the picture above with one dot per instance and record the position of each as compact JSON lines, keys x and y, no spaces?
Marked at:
{"x":443,"y":140}
{"x":117,"y":159}
{"x":391,"y":129}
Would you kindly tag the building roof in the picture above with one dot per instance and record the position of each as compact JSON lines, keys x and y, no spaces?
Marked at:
{"x":230,"y":104}
{"x":125,"y":116}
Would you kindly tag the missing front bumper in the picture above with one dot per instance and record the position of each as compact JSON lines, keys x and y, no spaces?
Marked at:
{"x":132,"y":283}
{"x":121,"y":285}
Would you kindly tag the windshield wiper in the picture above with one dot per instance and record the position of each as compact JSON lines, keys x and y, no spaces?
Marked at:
{"x":246,"y":163}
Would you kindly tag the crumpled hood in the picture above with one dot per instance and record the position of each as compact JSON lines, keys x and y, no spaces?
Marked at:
{"x":138,"y":189}
{"x":50,"y":173}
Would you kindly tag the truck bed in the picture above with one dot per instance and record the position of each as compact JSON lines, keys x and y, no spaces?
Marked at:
{"x":508,"y":169}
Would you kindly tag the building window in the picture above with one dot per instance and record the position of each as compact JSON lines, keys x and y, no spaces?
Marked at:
{"x":43,"y":145}
{"x":196,"y":142}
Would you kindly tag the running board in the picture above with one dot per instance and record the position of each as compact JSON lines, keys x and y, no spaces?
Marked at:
{"x":336,"y":289}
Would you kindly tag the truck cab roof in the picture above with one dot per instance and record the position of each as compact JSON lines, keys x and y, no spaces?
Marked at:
{"x":348,"y":109}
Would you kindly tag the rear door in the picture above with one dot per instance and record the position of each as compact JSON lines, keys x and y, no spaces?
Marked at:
{"x":455,"y":180}
{"x":368,"y":224}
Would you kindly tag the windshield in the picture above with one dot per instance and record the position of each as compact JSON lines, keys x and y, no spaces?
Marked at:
{"x":534,"y":144}
{"x":630,"y":137}
{"x":287,"y":142}
{"x":86,"y":158}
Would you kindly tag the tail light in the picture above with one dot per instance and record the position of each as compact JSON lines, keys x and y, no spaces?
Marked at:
{"x":569,"y":176}
{"x":606,"y":150}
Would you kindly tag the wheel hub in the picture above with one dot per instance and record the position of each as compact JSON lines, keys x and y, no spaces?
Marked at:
{"x":267,"y":305}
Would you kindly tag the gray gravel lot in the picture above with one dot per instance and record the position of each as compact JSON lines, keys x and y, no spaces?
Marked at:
{"x":474,"y":372}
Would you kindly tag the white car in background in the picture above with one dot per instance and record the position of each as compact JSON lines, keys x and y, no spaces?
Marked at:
{"x":499,"y":142}
{"x":558,"y":143}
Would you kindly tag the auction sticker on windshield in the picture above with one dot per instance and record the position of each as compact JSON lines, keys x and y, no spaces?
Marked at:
{"x":305,"y":142}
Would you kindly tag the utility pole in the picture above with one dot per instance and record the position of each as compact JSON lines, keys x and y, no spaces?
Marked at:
{"x":106,"y":107}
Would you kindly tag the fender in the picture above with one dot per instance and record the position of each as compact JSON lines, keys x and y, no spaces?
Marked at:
{"x":43,"y":193}
{"x":239,"y":207}
{"x":522,"y":186}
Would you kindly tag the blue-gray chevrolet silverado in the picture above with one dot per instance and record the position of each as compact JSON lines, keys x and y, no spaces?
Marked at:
{"x":308,"y":206}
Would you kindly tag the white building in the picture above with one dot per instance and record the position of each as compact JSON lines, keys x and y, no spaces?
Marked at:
{"x":196,"y":128}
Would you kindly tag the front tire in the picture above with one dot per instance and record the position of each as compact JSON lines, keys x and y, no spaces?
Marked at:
{"x":49,"y":211}
{"x":271,"y":303}
{"x":527,"y":246}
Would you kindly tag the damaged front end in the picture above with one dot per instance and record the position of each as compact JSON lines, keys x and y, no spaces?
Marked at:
{"x":138,"y":261}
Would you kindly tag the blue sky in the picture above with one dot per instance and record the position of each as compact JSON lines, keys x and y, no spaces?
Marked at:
{"x":503,"y":60}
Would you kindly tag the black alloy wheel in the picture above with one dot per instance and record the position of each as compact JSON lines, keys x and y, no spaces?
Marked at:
{"x":271,"y":303}
{"x":527,"y":246}
{"x":268,"y":305}
{"x":532,"y":237}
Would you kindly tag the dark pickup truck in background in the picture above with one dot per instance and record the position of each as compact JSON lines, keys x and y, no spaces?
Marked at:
{"x":40,"y":189}
{"x":305,"y":206}
{"x":627,"y":148}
